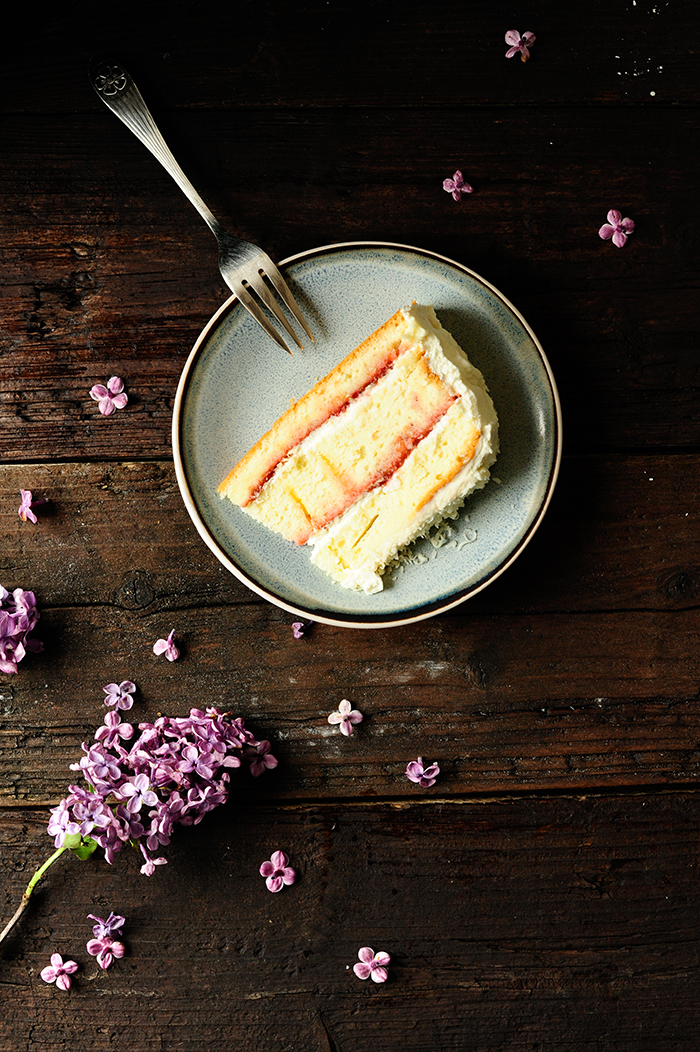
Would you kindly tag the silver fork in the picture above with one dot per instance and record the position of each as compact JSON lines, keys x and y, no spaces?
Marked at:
{"x":243,"y":265}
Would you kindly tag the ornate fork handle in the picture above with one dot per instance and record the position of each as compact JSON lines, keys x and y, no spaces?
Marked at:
{"x":244,"y":266}
{"x":118,"y":91}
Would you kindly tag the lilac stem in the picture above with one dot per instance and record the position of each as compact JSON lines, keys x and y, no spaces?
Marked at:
{"x":30,"y":888}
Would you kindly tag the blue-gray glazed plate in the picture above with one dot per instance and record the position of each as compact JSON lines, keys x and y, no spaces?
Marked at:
{"x":236,"y":383}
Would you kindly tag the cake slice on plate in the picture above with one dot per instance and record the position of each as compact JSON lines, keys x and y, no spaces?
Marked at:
{"x":378,"y":452}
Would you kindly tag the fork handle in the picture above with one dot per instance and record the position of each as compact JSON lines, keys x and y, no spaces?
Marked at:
{"x":118,"y":91}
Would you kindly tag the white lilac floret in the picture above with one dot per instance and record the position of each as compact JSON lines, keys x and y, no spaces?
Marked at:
{"x":18,"y":618}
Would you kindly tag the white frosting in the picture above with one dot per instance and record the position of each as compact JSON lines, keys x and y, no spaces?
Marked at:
{"x":451,"y":364}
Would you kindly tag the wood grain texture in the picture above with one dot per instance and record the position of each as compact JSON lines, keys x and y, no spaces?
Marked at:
{"x":584,"y":674}
{"x":542,"y":895}
{"x":560,"y":924}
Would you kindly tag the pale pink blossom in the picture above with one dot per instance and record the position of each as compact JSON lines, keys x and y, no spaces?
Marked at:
{"x":519,"y":44}
{"x":59,"y":972}
{"x":617,"y":228}
{"x":457,"y":186}
{"x":110,"y":397}
{"x":372,"y":965}
{"x":277,"y":872}
{"x":346,"y":716}
{"x":423,"y":776}
{"x":167,"y":647}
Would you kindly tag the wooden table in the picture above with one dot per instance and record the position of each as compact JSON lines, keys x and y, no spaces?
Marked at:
{"x":543,"y":894}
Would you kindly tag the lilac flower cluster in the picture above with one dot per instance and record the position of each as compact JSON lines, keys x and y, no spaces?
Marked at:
{"x":175,"y":771}
{"x":18,"y":617}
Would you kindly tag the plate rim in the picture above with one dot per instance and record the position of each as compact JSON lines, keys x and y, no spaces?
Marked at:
{"x":365,"y":621}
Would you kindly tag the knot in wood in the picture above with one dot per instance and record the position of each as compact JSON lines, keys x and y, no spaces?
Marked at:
{"x":135,"y":592}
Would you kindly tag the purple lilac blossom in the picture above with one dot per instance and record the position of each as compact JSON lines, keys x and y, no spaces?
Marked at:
{"x":175,"y":771}
{"x":59,"y":972}
{"x":277,"y":872}
{"x":167,"y":647}
{"x":110,"y":397}
{"x":111,"y":926}
{"x":18,"y":618}
{"x":119,"y":694}
{"x":457,"y":186}
{"x":519,"y":44}
{"x":372,"y":965}
{"x":423,"y":776}
{"x":346,"y":716}
{"x":262,"y":758}
{"x":617,"y":228}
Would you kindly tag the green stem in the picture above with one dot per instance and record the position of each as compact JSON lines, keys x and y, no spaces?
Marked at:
{"x":30,"y":888}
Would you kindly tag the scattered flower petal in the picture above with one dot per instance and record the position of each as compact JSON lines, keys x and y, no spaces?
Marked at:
{"x":617,"y":228}
{"x":519,"y":44}
{"x":59,"y":972}
{"x":423,"y":776}
{"x":346,"y":716}
{"x":372,"y":965}
{"x":276,"y":872}
{"x":457,"y":186}
{"x":110,"y":397}
{"x":28,"y":502}
{"x":119,"y":694}
{"x":167,"y":647}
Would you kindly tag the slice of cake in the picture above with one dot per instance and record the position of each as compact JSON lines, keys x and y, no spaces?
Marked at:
{"x":387,"y":445}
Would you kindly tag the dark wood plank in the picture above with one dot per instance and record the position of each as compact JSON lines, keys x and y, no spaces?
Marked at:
{"x":106,"y":267}
{"x":578,"y":669}
{"x":559,"y":924}
{"x":315,"y":53}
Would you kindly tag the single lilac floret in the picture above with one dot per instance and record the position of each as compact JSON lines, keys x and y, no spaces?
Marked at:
{"x":262,"y":758}
{"x":423,"y":776}
{"x":277,"y":872}
{"x":167,"y":647}
{"x":372,"y":965}
{"x":346,"y":716}
{"x":119,"y":694}
{"x":103,"y":928}
{"x":105,"y":949}
{"x":617,"y":228}
{"x":457,"y":186}
{"x":28,"y":502}
{"x":519,"y":44}
{"x":110,"y":397}
{"x":59,"y":972}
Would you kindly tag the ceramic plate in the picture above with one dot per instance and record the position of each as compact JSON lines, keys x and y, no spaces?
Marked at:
{"x":236,"y":383}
